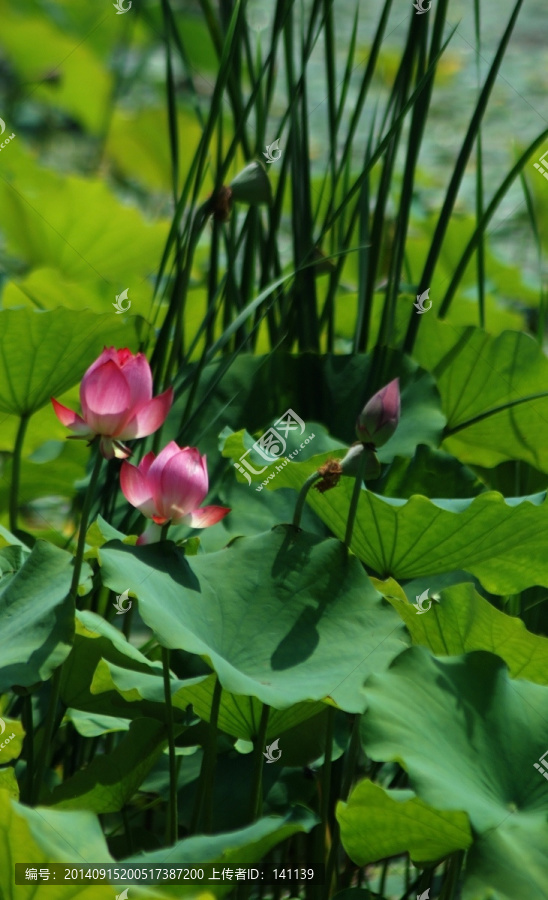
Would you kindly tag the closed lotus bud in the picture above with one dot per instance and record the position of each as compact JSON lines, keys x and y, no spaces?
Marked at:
{"x":252,"y":185}
{"x":379,"y":418}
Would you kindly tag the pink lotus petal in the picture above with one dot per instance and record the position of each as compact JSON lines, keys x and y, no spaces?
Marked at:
{"x":136,"y":371}
{"x":183,"y":484}
{"x":146,"y":463}
{"x":71,"y":419}
{"x":208,"y":515}
{"x":109,"y":353}
{"x":136,"y":489}
{"x":149,"y":418}
{"x":106,"y":400}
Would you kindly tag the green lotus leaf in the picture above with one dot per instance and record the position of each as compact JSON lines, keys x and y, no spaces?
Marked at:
{"x":376,"y":824}
{"x":285,"y":616}
{"x":469,"y":737}
{"x":463,"y":620}
{"x":36,"y":614}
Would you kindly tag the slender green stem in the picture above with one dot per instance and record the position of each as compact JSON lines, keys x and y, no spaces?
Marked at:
{"x":256,"y":802}
{"x":43,"y":756}
{"x":16,"y":471}
{"x":355,"y":498}
{"x":84,"y":522}
{"x":322,"y":850}
{"x":164,"y":531}
{"x":449,"y":891}
{"x":127,"y":830}
{"x":302,"y":497}
{"x":173,"y":830}
{"x":348,"y":776}
{"x":204,"y":796}
{"x":45,"y":748}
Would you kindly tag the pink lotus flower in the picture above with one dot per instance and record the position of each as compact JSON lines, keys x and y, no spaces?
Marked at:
{"x":170,"y":487}
{"x":379,"y":418}
{"x":117,"y":402}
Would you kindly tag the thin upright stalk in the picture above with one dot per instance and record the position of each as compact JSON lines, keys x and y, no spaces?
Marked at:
{"x":256,"y":801}
{"x":302,"y":497}
{"x":84,"y":523}
{"x":204,"y":794}
{"x":172,"y":824}
{"x":43,"y":756}
{"x":355,"y":498}
{"x":323,"y":828}
{"x":16,"y":471}
{"x":45,"y":750}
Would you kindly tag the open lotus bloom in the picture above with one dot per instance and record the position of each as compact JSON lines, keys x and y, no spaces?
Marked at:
{"x":170,"y":487}
{"x":379,"y":418}
{"x":117,"y":402}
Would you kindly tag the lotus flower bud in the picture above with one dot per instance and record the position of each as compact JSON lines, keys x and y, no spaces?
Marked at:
{"x":379,"y":418}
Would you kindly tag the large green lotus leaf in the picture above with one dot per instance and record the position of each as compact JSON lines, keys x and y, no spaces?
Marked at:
{"x":93,"y":724}
{"x":499,"y":540}
{"x":237,"y":848}
{"x":494,"y":392}
{"x":238,"y":715}
{"x":43,"y":836}
{"x":42,"y":354}
{"x":463,"y":620}
{"x":110,"y":780}
{"x":48,"y":288}
{"x":84,"y":84}
{"x":468,"y":736}
{"x":138,"y":143}
{"x":78,"y":226}
{"x":36,"y":616}
{"x":95,"y":642}
{"x":284,"y":616}
{"x":376,"y":823}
